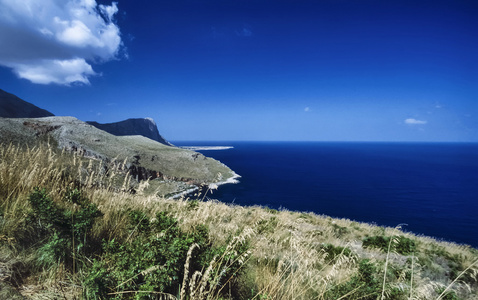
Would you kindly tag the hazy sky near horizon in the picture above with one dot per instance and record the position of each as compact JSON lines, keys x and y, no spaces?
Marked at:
{"x":323,"y":70}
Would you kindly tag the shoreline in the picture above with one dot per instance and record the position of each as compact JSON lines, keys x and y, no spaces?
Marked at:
{"x":212,"y":186}
{"x":232,"y":180}
{"x":206,"y":148}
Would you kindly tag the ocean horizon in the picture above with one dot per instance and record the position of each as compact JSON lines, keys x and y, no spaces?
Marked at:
{"x":432,"y":188}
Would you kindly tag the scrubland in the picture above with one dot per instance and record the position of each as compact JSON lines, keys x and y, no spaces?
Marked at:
{"x":75,"y":228}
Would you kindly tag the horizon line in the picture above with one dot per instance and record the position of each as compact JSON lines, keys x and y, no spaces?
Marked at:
{"x":323,"y":141}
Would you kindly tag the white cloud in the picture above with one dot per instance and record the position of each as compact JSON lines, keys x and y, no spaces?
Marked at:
{"x":56,"y":71}
{"x":412,"y":121}
{"x":56,"y":41}
{"x":307,"y":109}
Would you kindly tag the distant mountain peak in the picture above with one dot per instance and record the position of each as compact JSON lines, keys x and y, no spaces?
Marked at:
{"x":136,"y":126}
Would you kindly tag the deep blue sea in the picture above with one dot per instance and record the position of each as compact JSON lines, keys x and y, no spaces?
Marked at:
{"x":431,"y":187}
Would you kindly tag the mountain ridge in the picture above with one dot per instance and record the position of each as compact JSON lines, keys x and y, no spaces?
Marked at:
{"x":12,"y":106}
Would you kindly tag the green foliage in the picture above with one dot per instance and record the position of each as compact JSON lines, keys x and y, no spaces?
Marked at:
{"x":403,"y":245}
{"x":333,"y":252}
{"x":363,"y":285}
{"x":97,"y":281}
{"x":455,"y":263}
{"x":139,"y":222}
{"x":396,"y":293}
{"x":269,"y":225}
{"x":340,"y":231}
{"x":193,"y":204}
{"x":54,"y":250}
{"x":82,"y":214}
{"x":152,"y":260}
{"x":367,"y":272}
{"x":449,"y":295}
{"x":45,"y":211}
{"x":61,"y":232}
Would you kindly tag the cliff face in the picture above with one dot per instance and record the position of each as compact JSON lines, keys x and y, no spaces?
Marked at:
{"x":13,"y":107}
{"x":145,"y":127}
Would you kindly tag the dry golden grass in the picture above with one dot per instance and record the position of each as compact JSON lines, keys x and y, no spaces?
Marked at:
{"x":288,"y":258}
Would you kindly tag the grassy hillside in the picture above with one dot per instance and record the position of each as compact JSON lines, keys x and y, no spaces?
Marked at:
{"x":69,"y":229}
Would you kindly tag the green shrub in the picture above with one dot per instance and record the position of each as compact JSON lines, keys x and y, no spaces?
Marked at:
{"x":61,"y":232}
{"x":449,"y":295}
{"x":340,"y":231}
{"x":55,"y":249}
{"x":403,"y":245}
{"x":45,"y":212}
{"x":333,"y":252}
{"x":363,"y":285}
{"x":153,"y":259}
{"x":193,"y":204}
{"x":396,"y":293}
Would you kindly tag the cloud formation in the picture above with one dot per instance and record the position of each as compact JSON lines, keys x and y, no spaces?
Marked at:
{"x":412,"y":121}
{"x":56,"y":41}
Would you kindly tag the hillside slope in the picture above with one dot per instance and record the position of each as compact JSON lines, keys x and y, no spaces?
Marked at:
{"x":13,"y":107}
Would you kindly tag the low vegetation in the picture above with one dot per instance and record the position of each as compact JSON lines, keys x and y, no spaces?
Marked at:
{"x":72,"y":229}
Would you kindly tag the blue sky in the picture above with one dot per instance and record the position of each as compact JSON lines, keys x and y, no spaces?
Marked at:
{"x":324,"y":70}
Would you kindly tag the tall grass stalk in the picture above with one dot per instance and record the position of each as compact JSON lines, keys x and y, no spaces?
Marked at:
{"x":392,"y":239}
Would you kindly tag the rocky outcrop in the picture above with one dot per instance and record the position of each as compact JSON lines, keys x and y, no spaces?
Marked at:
{"x":143,"y":126}
{"x":13,"y":107}
{"x":40,"y":129}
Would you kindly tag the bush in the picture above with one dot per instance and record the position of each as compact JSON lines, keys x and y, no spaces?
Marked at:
{"x":61,"y":232}
{"x":404,"y":246}
{"x":153,"y":259}
{"x":333,"y":252}
{"x":363,"y":285}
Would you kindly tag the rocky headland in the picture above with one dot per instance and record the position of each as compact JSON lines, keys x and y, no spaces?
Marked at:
{"x":145,"y":154}
{"x":138,"y":126}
